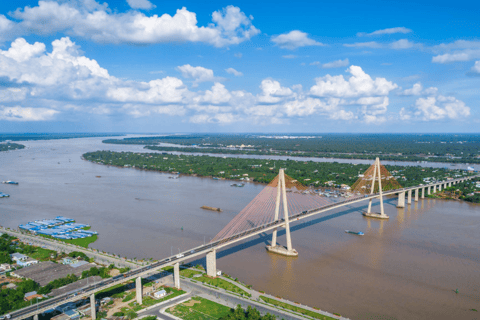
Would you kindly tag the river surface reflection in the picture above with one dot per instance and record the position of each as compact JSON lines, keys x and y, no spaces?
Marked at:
{"x":405,"y":268}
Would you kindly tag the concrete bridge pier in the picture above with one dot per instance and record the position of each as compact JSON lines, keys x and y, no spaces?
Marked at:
{"x":212,"y":263}
{"x":417,"y":191}
{"x":409,"y":196}
{"x":35,"y":317}
{"x":423,"y":193}
{"x":440,"y":187}
{"x":176,"y":275}
{"x":139,"y":290}
{"x":401,"y":200}
{"x":428,"y":190}
{"x":434,"y":188}
{"x":93,"y":310}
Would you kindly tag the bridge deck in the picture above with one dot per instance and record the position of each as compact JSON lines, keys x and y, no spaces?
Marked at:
{"x":192,"y":253}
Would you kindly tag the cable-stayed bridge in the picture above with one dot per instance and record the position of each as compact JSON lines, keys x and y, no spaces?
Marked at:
{"x":281,"y":202}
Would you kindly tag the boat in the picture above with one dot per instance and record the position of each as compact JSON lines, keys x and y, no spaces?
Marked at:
{"x":239,"y":185}
{"x":9,"y":182}
{"x":216,"y":178}
{"x":359,"y":233}
{"x":4,"y":195}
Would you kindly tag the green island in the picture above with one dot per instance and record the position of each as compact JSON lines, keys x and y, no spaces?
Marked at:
{"x":10,"y":146}
{"x":295,"y":308}
{"x":450,"y":148}
{"x":263,"y":170}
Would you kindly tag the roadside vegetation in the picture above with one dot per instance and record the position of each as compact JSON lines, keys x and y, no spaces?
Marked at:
{"x":296,"y":309}
{"x":467,"y":191}
{"x":312,"y":173}
{"x":454,"y":148}
{"x":199,"y":309}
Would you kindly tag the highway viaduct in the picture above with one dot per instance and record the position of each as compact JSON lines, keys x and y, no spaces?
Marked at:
{"x":210,"y":250}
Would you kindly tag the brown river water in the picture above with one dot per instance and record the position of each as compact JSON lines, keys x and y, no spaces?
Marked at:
{"x":405,"y":268}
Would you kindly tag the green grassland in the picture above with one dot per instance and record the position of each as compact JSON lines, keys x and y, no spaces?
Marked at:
{"x":296,"y":309}
{"x":205,"y":310}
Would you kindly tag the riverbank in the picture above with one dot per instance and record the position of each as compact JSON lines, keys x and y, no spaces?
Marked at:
{"x":264,"y":171}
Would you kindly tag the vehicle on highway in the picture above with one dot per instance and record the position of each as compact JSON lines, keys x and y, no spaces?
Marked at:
{"x":193,"y":251}
{"x":179,"y":256}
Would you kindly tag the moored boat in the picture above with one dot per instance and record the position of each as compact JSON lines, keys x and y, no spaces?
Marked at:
{"x":359,"y":233}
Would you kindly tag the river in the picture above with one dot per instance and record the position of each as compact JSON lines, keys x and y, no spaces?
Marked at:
{"x":405,"y":268}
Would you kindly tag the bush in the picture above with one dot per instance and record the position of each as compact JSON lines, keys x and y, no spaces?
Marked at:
{"x":118,"y":314}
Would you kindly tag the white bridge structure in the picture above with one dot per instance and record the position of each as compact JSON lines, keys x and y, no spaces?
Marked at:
{"x":260,"y":216}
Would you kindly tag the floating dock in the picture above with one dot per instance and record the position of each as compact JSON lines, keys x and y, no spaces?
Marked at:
{"x":375,"y":215}
{"x":282,"y":250}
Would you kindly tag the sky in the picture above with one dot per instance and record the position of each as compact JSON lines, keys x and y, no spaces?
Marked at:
{"x":148,"y":66}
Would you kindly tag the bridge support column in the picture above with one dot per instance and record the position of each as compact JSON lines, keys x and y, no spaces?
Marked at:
{"x":409,"y":197}
{"x":440,"y":187}
{"x":417,"y":191}
{"x":35,"y":317}
{"x":423,"y":193}
{"x":376,"y":174}
{"x":434,"y":188}
{"x":176,"y":275}
{"x":212,"y":263}
{"x":282,"y":196}
{"x":139,"y":290}
{"x":93,"y":308}
{"x":450,"y":184}
{"x":401,"y":200}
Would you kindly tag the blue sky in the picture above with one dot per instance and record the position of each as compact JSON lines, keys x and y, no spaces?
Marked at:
{"x":263,"y":66}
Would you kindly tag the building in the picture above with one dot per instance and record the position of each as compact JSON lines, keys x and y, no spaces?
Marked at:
{"x":32,"y":296}
{"x":160,"y":294}
{"x":18,"y":257}
{"x":27,"y":263}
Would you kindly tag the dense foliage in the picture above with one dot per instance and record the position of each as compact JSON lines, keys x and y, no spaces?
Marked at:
{"x":250,"y":314}
{"x":262,"y":170}
{"x":102,"y":272}
{"x":466,"y":190}
{"x":13,"y":299}
{"x":406,"y":147}
{"x":10,"y":146}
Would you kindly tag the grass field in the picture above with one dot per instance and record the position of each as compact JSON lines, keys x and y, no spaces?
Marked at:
{"x":41,"y":254}
{"x":149,"y":301}
{"x":296,"y":309}
{"x":199,"y":309}
{"x":220,"y":283}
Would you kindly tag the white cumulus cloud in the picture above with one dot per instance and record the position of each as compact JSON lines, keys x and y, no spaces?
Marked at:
{"x":140,"y":4}
{"x":437,"y":108}
{"x":359,"y":84}
{"x":336,"y":64}
{"x":94,"y":21}
{"x":385,"y":31}
{"x":199,"y":74}
{"x":294,"y":39}
{"x":18,"y":113}
{"x":234,"y":72}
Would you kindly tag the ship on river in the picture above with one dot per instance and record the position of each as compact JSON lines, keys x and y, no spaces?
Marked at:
{"x":9,"y":182}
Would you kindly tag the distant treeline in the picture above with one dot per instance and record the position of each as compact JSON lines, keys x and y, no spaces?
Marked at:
{"x":10,"y":146}
{"x":453,"y":148}
{"x":51,"y":136}
{"x":263,"y":170}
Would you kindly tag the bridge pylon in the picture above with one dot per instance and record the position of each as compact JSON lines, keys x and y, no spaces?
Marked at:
{"x":376,"y":175}
{"x":282,"y":198}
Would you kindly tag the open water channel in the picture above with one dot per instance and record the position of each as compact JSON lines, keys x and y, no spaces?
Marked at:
{"x":405,"y":268}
